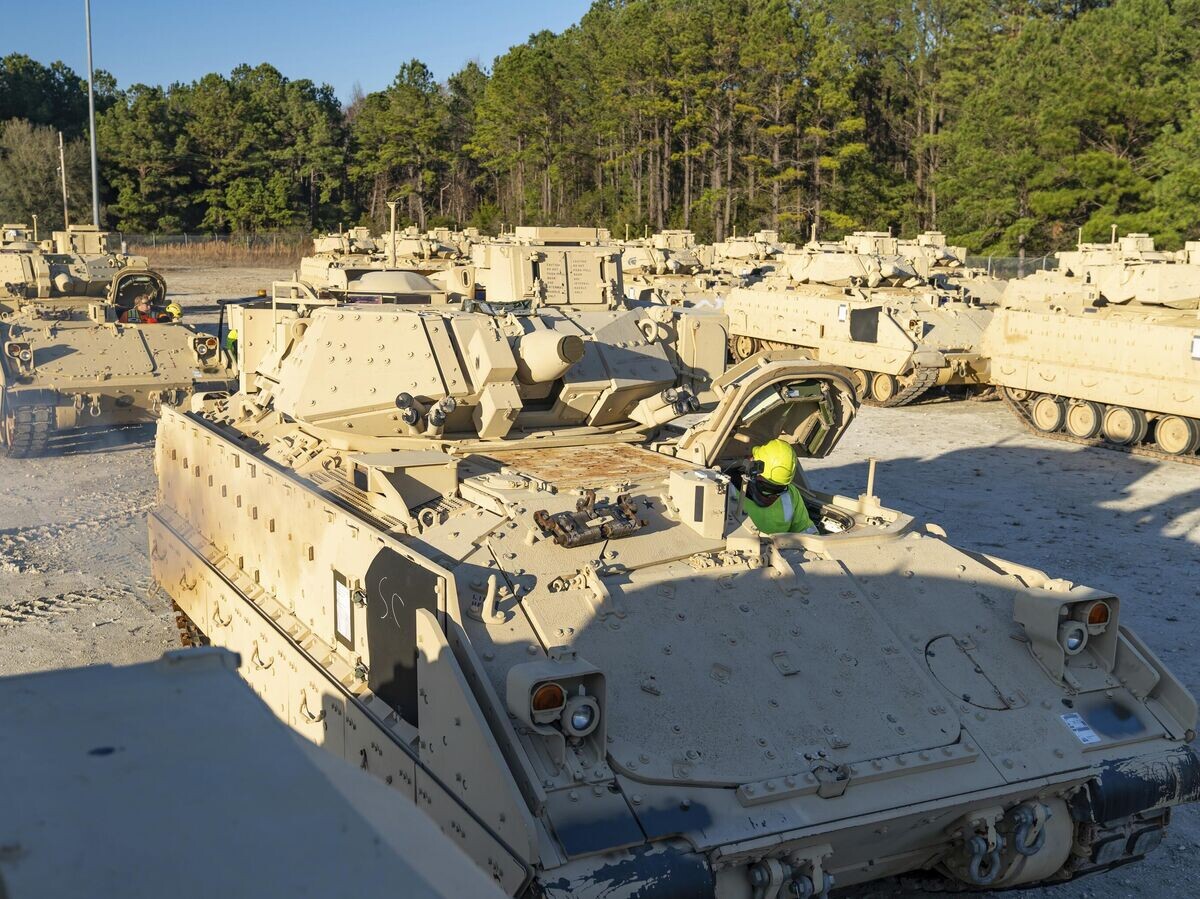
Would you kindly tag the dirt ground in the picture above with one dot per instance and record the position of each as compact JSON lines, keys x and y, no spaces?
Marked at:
{"x":75,"y":586}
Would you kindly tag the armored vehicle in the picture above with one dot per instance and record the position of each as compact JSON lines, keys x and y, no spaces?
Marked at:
{"x":899,"y":333}
{"x":354,"y":266}
{"x":15,"y":236}
{"x":551,"y":265}
{"x":669,"y":267}
{"x":750,"y":256}
{"x":947,"y":266}
{"x":1106,"y":350}
{"x":113,"y":776}
{"x":495,"y":560}
{"x":69,"y":355}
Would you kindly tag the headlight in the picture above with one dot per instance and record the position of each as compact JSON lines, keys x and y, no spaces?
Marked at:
{"x":1072,"y":636}
{"x":205,"y":346}
{"x":580,"y":716}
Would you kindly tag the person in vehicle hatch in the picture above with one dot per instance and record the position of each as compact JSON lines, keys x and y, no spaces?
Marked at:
{"x":768,"y":496}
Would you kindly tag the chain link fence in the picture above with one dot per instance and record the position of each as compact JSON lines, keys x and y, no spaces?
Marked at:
{"x":1009,"y":267}
{"x":267,"y":240}
{"x":267,"y":248}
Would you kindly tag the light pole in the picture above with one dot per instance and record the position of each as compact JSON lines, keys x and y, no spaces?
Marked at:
{"x":87,"y":18}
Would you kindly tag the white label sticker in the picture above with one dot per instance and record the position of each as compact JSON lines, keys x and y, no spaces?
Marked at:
{"x":843,"y":310}
{"x":1196,"y":346}
{"x":1080,"y":729}
{"x":341,"y":609}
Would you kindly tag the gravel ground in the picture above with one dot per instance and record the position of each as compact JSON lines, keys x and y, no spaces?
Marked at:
{"x":75,"y":586}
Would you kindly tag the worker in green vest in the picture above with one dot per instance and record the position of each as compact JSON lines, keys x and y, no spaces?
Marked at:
{"x":769,"y":497}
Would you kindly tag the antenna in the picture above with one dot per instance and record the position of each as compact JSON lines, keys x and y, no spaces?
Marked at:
{"x":1113,"y":239}
{"x":87,"y":18}
{"x":62,"y":169}
{"x":813,"y":233}
{"x":392,"y":210}
{"x":35,"y":240}
{"x":1079,"y":243}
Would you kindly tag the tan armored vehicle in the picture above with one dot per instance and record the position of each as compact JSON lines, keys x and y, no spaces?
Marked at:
{"x":14,"y":236}
{"x":550,"y":265}
{"x":69,"y":355}
{"x":396,"y":267}
{"x":670,"y":267}
{"x":116,"y":780}
{"x":947,"y":266}
{"x":1106,"y":350}
{"x":748,"y":257}
{"x":494,"y":561}
{"x":899,"y":333}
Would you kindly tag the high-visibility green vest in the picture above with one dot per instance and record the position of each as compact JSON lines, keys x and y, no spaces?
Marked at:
{"x":786,"y":515}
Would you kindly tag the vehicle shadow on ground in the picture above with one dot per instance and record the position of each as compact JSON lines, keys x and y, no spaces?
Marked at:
{"x":91,"y":440}
{"x":999,"y":500}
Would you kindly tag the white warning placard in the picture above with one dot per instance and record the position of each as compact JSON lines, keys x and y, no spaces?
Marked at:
{"x":1080,"y":728}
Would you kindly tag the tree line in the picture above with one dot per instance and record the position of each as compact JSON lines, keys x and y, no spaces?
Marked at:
{"x":1004,"y":123}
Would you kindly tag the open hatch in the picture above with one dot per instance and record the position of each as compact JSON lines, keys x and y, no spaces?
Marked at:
{"x":770,"y":395}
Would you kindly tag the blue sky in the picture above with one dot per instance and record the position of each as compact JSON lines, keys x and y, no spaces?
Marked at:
{"x":336,"y":41}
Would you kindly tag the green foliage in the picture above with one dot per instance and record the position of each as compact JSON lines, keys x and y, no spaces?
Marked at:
{"x":1004,"y":124}
{"x":49,"y":95}
{"x":29,"y":177}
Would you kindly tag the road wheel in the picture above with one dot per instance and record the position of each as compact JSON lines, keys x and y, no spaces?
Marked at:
{"x":743,"y":347}
{"x":862,"y":383}
{"x":1048,"y":413}
{"x":1083,"y":419}
{"x":884,"y":387}
{"x":1177,"y":435}
{"x":1124,"y":426}
{"x":1017,"y":396}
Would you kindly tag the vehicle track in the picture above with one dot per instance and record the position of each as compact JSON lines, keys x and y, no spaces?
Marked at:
{"x":1141,"y":449}
{"x":28,"y":433}
{"x":919,"y":381}
{"x":43,"y":608}
{"x":32,"y":549}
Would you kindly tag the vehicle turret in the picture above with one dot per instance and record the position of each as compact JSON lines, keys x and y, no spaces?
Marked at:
{"x":551,"y":266}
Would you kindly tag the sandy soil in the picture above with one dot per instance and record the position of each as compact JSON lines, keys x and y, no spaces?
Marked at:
{"x":75,"y":586}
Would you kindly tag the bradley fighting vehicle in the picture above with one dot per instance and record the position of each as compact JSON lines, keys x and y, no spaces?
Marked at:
{"x":492,"y":558}
{"x":1106,"y":350}
{"x":669,"y":267}
{"x":556,"y":266}
{"x":91,"y":753}
{"x":859,"y":304}
{"x":355,"y":267}
{"x":749,"y":257}
{"x":947,"y":266}
{"x":67,"y":357}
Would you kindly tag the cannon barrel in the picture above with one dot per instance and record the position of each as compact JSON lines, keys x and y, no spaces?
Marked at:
{"x":546,"y":355}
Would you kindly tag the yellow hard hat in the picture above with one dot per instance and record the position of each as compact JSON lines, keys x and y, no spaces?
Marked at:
{"x":175,"y":309}
{"x":778,"y":459}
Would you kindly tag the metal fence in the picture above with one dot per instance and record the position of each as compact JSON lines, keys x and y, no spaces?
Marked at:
{"x":261,"y":240}
{"x":1009,"y":267}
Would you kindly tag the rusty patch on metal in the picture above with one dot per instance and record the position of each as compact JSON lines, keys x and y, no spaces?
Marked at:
{"x":580,"y":466}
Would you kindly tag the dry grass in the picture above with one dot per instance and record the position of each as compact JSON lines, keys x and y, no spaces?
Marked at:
{"x":269,"y":253}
